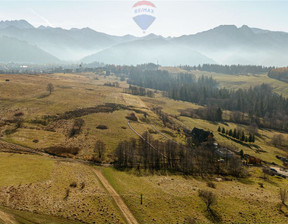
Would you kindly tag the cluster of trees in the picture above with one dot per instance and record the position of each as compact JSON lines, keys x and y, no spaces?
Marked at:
{"x":122,"y":71}
{"x":258,"y":102}
{"x":62,"y":150}
{"x":279,"y":73}
{"x":77,"y":127}
{"x":230,"y":69}
{"x":139,"y":91}
{"x":238,"y":134}
{"x":147,"y":153}
{"x":210,"y":113}
{"x":279,"y":140}
{"x":99,"y":151}
{"x":112,"y":84}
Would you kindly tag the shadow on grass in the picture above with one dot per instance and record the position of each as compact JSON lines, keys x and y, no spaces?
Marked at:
{"x":214,"y":216}
{"x":246,"y":181}
{"x":238,"y":141}
{"x":283,"y":209}
{"x":44,"y":95}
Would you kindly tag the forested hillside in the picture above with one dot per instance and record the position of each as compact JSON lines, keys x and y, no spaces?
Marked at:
{"x":258,"y":102}
{"x":230,"y":69}
{"x":280,"y":74}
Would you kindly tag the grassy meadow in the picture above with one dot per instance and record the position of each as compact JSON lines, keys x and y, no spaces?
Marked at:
{"x":54,"y":188}
{"x":46,"y":185}
{"x":174,"y":198}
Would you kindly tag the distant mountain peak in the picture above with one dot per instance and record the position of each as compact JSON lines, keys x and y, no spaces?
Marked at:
{"x":225,"y":27}
{"x":20,"y":24}
{"x":229,"y":31}
{"x":246,"y":30}
{"x":151,"y":36}
{"x":245,"y":27}
{"x":44,"y":27}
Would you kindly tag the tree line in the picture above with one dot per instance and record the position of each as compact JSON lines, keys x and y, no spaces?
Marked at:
{"x":279,"y":74}
{"x":230,"y":69}
{"x":139,"y":91}
{"x":258,"y":102}
{"x":186,"y":159}
{"x":238,"y":134}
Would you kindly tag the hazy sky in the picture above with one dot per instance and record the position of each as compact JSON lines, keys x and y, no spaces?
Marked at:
{"x":174,"y":18}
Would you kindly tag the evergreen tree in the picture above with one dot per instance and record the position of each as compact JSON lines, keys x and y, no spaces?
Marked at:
{"x":250,"y":137}
{"x":253,"y":138}
{"x":242,"y":154}
{"x":219,"y":114}
{"x":238,"y":135}
{"x":243,"y":137}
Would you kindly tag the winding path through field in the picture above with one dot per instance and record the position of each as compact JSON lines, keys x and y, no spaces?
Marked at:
{"x":118,"y":200}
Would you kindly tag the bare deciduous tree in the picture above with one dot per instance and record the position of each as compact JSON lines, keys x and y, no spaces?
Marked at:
{"x":50,"y":88}
{"x":278,"y":140}
{"x":100,"y":149}
{"x":77,"y":127}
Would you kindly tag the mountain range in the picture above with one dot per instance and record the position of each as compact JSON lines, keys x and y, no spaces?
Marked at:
{"x":20,"y":42}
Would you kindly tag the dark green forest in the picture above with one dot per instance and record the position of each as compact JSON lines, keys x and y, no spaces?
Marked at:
{"x":262,"y":105}
{"x":229,"y":69}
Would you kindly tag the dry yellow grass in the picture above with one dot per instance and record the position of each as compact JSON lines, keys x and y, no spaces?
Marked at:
{"x":27,"y":94}
{"x":39,"y":184}
{"x":20,"y":169}
{"x":171,"y":199}
{"x":23,"y":93}
{"x":25,"y":137}
{"x":12,"y":216}
{"x":167,"y":199}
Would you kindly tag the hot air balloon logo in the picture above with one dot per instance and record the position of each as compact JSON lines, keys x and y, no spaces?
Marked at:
{"x":144,"y":14}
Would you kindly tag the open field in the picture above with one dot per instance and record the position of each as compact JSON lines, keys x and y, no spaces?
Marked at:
{"x":10,"y":216}
{"x":247,"y":81}
{"x":20,"y":169}
{"x":172,"y":199}
{"x":55,"y":188}
{"x":86,"y":90}
{"x":51,"y":191}
{"x":27,"y":94}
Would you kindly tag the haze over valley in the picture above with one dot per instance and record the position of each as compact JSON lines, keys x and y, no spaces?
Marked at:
{"x":225,"y":44}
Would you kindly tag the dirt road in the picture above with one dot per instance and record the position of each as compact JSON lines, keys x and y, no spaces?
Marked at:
{"x":118,"y":200}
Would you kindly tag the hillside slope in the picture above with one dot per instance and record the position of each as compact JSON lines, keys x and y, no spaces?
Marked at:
{"x":13,"y":50}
